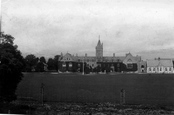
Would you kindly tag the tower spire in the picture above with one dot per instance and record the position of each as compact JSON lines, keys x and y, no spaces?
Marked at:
{"x":99,"y":43}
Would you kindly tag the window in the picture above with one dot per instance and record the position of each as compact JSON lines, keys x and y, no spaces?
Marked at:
{"x":70,"y":64}
{"x":149,"y":69}
{"x":165,"y":69}
{"x":160,"y":68}
{"x":129,"y":66}
{"x":157,"y":69}
{"x":170,"y":69}
{"x":129,"y":60}
{"x":64,"y":64}
{"x":153,"y":69}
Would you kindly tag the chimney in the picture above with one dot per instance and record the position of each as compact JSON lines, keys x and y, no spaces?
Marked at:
{"x":113,"y":54}
{"x":61,"y":54}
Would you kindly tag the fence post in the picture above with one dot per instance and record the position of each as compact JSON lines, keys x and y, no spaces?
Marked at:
{"x":122,"y":96}
{"x":42,"y":93}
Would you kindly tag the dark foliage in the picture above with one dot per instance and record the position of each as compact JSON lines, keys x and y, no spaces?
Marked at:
{"x":56,"y":61}
{"x":31,"y":62}
{"x":50,"y":64}
{"x":40,"y":67}
{"x":11,"y":66}
{"x":42,"y":59}
{"x":53,"y":64}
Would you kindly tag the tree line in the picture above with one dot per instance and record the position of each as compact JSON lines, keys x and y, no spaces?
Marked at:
{"x":39,"y":64}
{"x":13,"y":64}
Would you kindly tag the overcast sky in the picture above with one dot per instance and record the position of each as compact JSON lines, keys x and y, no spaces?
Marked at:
{"x":49,"y":27}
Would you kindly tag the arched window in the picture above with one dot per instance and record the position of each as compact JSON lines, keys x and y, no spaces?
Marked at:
{"x":166,"y":69}
{"x":157,"y":69}
{"x":129,"y":60}
{"x":149,"y":69}
{"x":153,"y":69}
{"x":170,"y":69}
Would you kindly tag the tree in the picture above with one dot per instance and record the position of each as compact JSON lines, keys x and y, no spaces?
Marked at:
{"x":11,"y":66}
{"x":56,"y":61}
{"x":31,"y":62}
{"x":42,"y":59}
{"x":40,"y":66}
{"x":50,"y":64}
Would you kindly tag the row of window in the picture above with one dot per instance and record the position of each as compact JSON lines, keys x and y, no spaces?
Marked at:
{"x":129,"y":66}
{"x":64,"y":64}
{"x":160,"y":69}
{"x":118,"y":65}
{"x":67,"y":59}
{"x":93,"y":60}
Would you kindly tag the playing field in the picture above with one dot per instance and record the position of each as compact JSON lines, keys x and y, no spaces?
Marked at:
{"x":139,"y":88}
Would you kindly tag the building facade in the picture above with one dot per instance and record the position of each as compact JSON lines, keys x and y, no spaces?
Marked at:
{"x":100,"y":63}
{"x":160,"y":66}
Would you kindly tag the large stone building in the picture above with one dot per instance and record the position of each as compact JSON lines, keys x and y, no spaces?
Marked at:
{"x":100,"y":63}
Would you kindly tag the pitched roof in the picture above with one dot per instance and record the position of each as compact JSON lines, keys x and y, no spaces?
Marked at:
{"x":130,"y":58}
{"x":110,"y":58}
{"x":160,"y":62}
{"x":67,"y":57}
{"x":99,"y":43}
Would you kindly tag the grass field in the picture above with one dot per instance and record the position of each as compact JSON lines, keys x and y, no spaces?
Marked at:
{"x":140,"y":88}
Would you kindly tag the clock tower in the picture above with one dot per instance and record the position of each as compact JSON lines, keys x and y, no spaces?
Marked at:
{"x":99,"y":51}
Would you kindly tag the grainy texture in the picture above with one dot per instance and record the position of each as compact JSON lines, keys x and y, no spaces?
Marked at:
{"x":156,"y":89}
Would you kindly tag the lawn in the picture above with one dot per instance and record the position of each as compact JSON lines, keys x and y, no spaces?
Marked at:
{"x":140,"y":88}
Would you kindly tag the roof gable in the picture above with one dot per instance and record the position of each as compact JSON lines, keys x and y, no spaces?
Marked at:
{"x":67,"y":57}
{"x":158,"y":63}
{"x":129,"y":59}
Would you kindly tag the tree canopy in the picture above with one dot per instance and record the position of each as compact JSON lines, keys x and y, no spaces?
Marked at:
{"x":31,"y":61}
{"x":11,"y":66}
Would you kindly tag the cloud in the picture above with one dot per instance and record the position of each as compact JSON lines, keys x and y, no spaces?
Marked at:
{"x":56,"y":26}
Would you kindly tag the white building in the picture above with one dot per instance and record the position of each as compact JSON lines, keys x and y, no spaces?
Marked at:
{"x":160,"y":66}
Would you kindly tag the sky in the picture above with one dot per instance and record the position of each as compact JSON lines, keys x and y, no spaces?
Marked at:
{"x":49,"y":27}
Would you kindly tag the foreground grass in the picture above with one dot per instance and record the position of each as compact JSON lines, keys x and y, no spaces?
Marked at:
{"x":89,"y":109}
{"x":155,"y":89}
